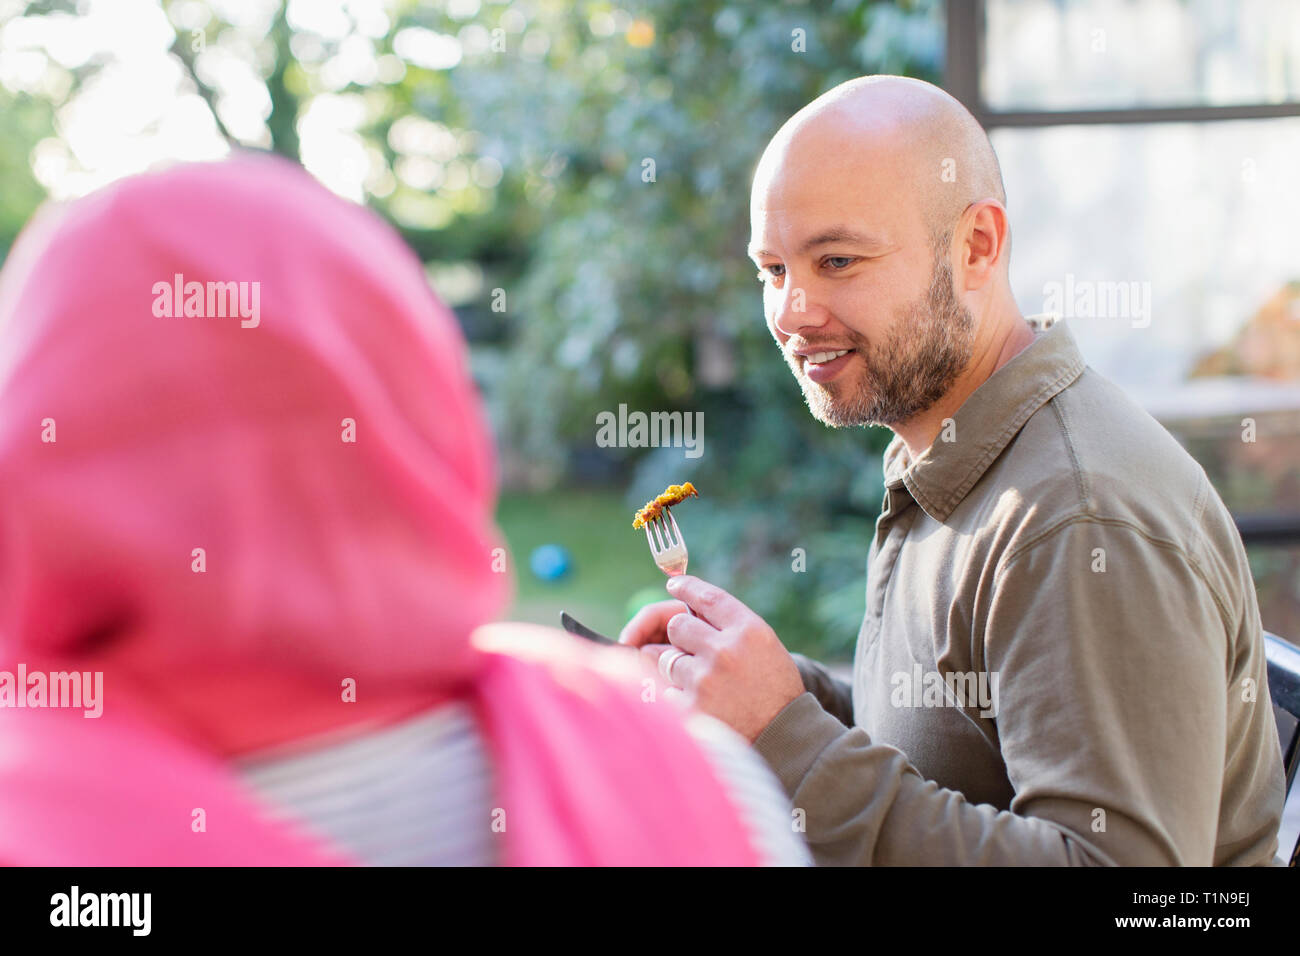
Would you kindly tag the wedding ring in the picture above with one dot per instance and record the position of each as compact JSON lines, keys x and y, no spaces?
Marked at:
{"x":666,"y":661}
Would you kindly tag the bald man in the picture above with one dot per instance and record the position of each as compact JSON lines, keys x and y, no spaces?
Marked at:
{"x":1062,"y":660}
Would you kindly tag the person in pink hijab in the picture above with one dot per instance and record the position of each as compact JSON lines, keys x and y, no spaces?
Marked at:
{"x":246,"y":479}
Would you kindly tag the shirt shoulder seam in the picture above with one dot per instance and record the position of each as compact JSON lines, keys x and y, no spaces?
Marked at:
{"x":1080,"y":478}
{"x":1162,"y":543}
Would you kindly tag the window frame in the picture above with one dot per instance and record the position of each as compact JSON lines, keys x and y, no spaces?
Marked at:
{"x":964,"y":62}
{"x":964,"y":46}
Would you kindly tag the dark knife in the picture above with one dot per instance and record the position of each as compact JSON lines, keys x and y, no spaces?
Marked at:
{"x":573,"y":626}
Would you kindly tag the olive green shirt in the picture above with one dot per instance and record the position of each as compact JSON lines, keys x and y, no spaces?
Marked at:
{"x":1061,"y":660}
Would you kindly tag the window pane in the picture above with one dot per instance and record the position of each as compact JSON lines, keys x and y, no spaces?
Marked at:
{"x":1173,"y":253}
{"x":1101,"y":54}
{"x":1200,"y":220}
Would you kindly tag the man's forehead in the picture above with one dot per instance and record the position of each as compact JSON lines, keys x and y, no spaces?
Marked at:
{"x":793,"y":202}
{"x":847,"y":215}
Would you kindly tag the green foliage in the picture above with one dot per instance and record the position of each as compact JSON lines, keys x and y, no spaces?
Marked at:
{"x":639,"y":292}
{"x":24,"y":121}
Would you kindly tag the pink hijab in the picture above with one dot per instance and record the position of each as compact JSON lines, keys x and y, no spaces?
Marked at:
{"x":243,"y":519}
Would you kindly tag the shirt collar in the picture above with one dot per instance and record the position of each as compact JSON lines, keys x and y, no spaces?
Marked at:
{"x":987,"y":421}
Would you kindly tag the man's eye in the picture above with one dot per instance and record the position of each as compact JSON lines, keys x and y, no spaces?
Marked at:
{"x":773,"y":271}
{"x":838,"y":262}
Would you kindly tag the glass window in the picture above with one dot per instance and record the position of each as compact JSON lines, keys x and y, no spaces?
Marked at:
{"x":1160,"y":242}
{"x":1101,"y":54}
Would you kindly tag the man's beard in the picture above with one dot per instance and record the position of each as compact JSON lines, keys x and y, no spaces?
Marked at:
{"x":930,"y":345}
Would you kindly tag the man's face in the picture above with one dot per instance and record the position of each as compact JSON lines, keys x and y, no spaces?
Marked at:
{"x":847,"y":263}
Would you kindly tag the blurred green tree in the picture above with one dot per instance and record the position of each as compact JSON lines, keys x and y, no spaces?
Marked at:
{"x":636,"y":130}
{"x":24,"y":121}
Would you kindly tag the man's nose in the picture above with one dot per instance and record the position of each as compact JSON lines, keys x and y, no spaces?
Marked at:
{"x":794,"y":310}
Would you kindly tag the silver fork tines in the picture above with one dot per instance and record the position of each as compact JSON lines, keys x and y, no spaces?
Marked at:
{"x":668,"y":546}
{"x":666,"y":543}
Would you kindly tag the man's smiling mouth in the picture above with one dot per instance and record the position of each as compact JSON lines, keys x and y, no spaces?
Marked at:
{"x":821,"y":365}
{"x":819,"y":354}
{"x":821,"y":358}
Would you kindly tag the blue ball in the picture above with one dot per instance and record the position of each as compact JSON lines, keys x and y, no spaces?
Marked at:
{"x":550,"y":562}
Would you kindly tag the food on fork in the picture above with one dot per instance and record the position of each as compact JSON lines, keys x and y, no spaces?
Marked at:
{"x":673,"y":495}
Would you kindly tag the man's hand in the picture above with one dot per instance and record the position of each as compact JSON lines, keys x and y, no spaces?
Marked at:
{"x":735,"y":668}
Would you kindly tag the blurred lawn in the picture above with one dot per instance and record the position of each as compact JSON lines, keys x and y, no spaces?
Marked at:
{"x":609,"y":562}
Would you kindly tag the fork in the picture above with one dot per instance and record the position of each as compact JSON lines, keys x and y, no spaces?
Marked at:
{"x":667,"y":545}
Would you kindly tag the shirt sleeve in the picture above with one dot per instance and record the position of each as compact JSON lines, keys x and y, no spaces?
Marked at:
{"x":835,"y":695}
{"x":1110,"y":718}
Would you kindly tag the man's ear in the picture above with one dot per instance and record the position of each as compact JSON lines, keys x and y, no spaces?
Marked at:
{"x":985,"y":235}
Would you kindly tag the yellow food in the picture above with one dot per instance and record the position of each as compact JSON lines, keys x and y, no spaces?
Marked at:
{"x":673,"y":495}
